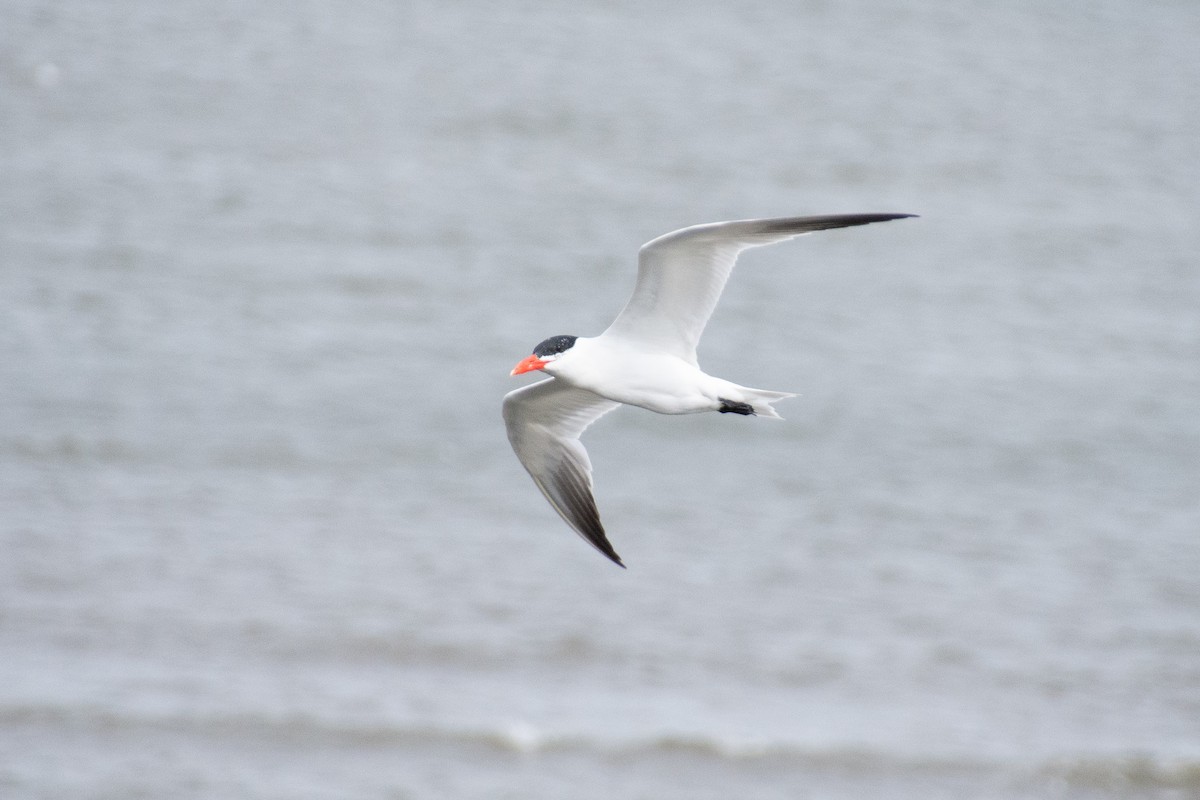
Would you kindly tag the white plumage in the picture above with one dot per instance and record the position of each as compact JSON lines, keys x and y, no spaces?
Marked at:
{"x":646,"y":358}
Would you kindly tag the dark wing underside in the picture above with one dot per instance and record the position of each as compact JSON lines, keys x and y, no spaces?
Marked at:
{"x":544,"y":422}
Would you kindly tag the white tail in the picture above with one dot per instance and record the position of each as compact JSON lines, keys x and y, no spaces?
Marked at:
{"x":763,"y":401}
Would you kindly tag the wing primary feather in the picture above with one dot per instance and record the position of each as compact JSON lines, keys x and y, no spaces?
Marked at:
{"x":800,"y":225}
{"x":581,"y":512}
{"x":681,"y":275}
{"x":544,"y":421}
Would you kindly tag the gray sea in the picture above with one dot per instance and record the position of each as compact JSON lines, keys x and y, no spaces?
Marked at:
{"x":264,"y":269}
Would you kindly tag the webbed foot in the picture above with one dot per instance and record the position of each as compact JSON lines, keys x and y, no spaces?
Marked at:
{"x":733,"y":407}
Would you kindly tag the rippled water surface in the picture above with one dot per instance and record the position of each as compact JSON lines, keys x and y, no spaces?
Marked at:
{"x":264,"y":270}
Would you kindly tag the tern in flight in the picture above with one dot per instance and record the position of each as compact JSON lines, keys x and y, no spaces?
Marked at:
{"x":646,"y":358}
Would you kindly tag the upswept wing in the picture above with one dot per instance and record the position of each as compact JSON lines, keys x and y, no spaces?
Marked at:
{"x":681,"y":276}
{"x":544,"y":422}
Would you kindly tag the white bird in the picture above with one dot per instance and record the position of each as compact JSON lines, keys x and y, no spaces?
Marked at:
{"x":646,"y":358}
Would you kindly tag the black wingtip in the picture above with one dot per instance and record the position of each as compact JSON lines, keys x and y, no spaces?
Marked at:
{"x":797,"y":226}
{"x":850,"y":220}
{"x":604,"y":547}
{"x":867,"y":219}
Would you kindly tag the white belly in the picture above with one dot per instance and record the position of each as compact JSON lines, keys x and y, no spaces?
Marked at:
{"x":654,"y":381}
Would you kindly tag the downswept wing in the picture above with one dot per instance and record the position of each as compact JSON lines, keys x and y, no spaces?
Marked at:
{"x":681,"y":276}
{"x":544,"y":422}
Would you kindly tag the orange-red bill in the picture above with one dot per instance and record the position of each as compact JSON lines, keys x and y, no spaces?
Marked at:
{"x":528,"y":365}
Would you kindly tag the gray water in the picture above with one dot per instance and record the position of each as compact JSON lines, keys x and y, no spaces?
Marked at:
{"x":264,"y":269}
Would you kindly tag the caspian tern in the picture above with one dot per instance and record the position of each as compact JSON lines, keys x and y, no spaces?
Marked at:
{"x":646,"y":358}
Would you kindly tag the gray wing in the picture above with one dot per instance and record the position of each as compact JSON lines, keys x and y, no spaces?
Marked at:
{"x":681,"y":276}
{"x":544,"y":422}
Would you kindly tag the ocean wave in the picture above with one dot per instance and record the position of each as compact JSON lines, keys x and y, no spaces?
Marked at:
{"x":1126,"y":773}
{"x":70,"y":448}
{"x":1114,"y":772}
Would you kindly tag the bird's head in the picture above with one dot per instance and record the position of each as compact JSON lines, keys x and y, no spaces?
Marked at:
{"x":545,"y":354}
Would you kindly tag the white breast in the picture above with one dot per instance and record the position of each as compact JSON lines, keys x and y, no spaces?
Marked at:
{"x":653,"y":380}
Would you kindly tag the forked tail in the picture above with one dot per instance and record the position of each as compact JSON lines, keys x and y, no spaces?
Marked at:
{"x":760,"y":402}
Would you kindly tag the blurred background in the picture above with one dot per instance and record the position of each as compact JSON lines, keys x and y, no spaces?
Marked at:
{"x":264,"y":269}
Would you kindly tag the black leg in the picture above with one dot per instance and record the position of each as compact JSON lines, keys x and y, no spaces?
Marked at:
{"x":732,"y":407}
